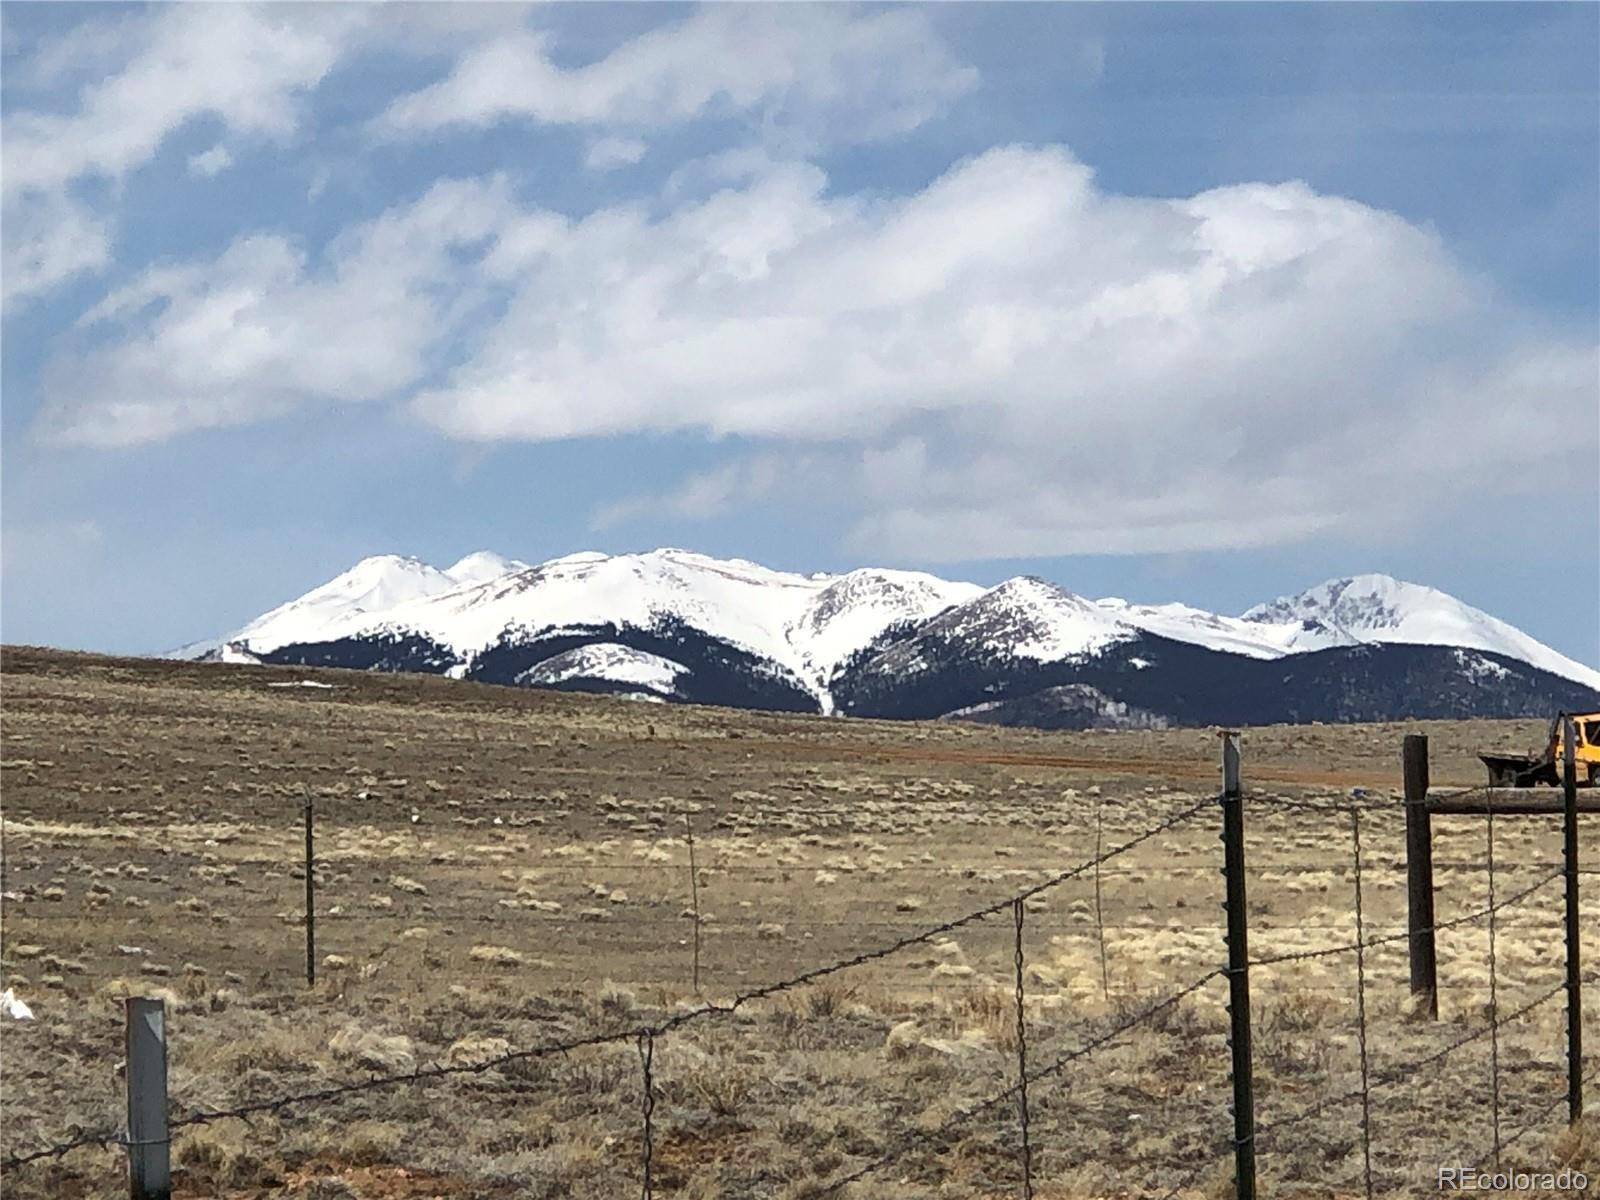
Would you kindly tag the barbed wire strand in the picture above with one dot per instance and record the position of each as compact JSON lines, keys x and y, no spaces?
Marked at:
{"x":1436,"y":927}
{"x":1337,"y":807}
{"x":444,"y":1070}
{"x":1061,"y":1062}
{"x":647,"y":1035}
{"x":1538,"y":1120}
{"x":1223,"y":1146}
{"x":1401,"y":1072}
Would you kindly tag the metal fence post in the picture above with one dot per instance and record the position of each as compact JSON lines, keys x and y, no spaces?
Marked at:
{"x":694,"y":896}
{"x":1419,"y":874}
{"x":311,"y":898}
{"x":149,"y":1153}
{"x":1569,"y":784}
{"x":1244,"y":1117}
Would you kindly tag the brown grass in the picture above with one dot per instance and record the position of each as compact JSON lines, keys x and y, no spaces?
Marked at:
{"x":499,"y":868}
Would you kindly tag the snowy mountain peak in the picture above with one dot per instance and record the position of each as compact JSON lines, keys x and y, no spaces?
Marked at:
{"x":855,"y":609}
{"x":806,"y":628}
{"x":1033,"y":589}
{"x":380,"y":582}
{"x":1360,"y":602}
{"x":1032,"y":618}
{"x":481,"y":566}
{"x":372,"y":587}
{"x":1380,"y":608}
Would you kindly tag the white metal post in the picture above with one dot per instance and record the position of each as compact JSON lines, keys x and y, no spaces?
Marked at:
{"x":149,"y":1152}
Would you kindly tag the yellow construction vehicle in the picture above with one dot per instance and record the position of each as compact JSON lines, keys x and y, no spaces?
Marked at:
{"x":1545,"y":767}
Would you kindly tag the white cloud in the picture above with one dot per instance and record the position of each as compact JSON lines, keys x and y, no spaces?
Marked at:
{"x":606,"y":153}
{"x":1014,"y":361}
{"x":1010,"y":362}
{"x":863,"y":75}
{"x":210,"y":163}
{"x":262,"y":329}
{"x":250,"y":67}
{"x":140,"y":78}
{"x":48,"y":242}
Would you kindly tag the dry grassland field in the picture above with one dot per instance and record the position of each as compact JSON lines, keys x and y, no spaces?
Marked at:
{"x":498,"y":869}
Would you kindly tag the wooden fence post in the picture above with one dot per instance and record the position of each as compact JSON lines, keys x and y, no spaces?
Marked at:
{"x":1569,"y":783}
{"x":1244,"y":1118}
{"x":149,"y":1150}
{"x":1419,"y":874}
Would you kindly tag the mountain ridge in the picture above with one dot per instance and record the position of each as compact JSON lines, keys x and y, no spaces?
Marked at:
{"x":676,"y":625}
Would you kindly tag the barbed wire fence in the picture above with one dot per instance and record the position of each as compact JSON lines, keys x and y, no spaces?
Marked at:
{"x":1249,"y":1134}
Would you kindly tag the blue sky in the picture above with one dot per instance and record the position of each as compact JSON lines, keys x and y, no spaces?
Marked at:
{"x":1207,"y":302}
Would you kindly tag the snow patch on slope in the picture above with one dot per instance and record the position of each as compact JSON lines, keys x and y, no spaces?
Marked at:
{"x":1183,"y":623}
{"x":237,"y":653}
{"x":609,"y":661}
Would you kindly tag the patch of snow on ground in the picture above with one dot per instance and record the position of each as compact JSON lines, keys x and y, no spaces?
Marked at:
{"x":607,"y":660}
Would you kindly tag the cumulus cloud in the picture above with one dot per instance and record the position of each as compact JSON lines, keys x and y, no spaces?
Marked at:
{"x":1012,"y":361}
{"x":865,"y":75}
{"x":263,"y":328}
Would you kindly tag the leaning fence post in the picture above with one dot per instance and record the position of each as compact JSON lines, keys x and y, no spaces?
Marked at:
{"x":1244,"y":1117}
{"x":311,"y":898}
{"x":1419,"y":874}
{"x":1569,"y":784}
{"x":149,"y":1158}
{"x":694,"y":896}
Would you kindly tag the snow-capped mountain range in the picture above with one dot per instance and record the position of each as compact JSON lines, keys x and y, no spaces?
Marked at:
{"x":675,"y":625}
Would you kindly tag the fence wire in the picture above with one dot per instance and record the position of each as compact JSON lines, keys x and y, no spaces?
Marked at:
{"x":1028,"y":1076}
{"x":1062,"y":1061}
{"x":645,"y":1035}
